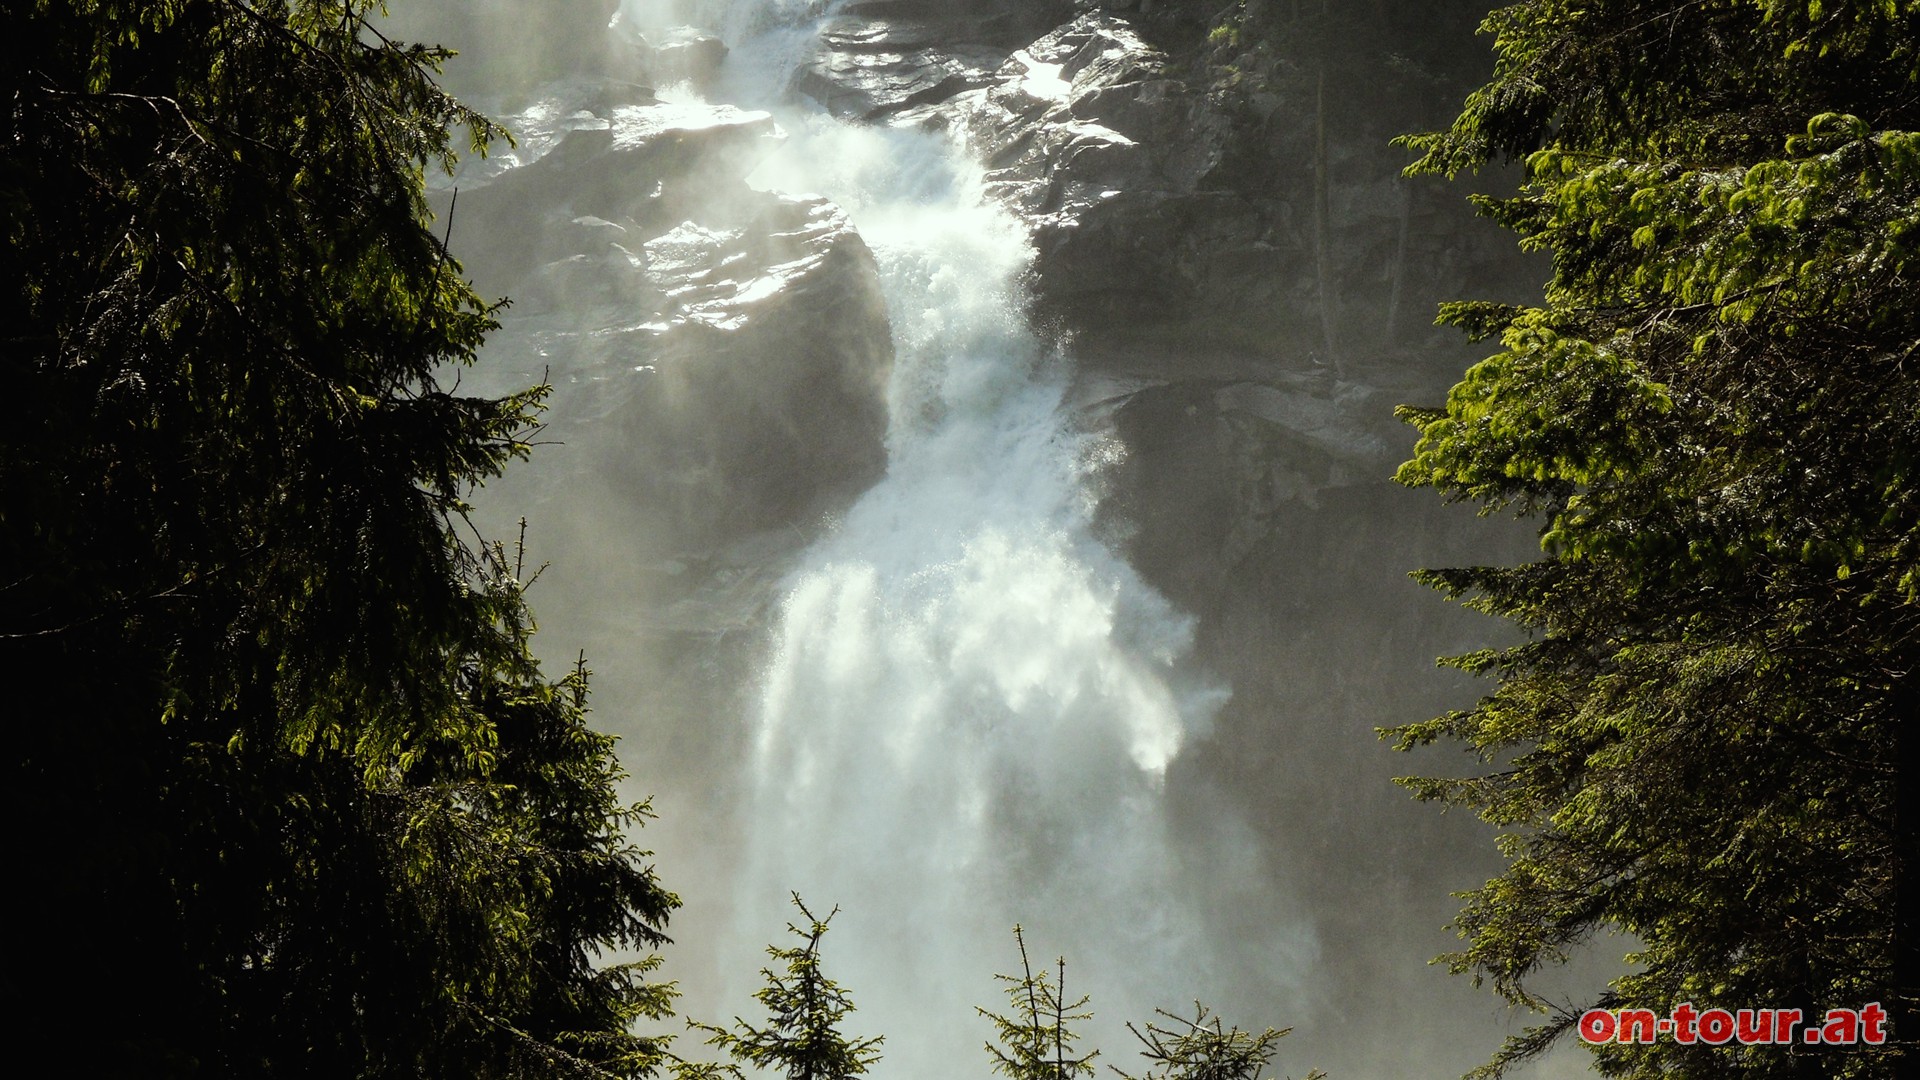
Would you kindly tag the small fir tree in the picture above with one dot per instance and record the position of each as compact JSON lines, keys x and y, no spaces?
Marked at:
{"x":1201,"y":1049}
{"x":804,"y":1008}
{"x":1035,"y":1042}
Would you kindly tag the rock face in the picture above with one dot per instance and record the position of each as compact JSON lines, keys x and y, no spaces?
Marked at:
{"x":1168,"y":207}
{"x":1214,"y":246}
{"x":1233,"y":257}
{"x":720,"y":354}
{"x":688,"y":54}
{"x":877,"y":58}
{"x":1248,"y":285}
{"x":1113,"y":162}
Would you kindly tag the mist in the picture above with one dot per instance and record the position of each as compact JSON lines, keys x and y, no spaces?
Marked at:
{"x":946,"y":543}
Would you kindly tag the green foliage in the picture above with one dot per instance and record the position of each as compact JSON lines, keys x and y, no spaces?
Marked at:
{"x":1714,"y":414}
{"x":1200,"y":1049}
{"x":294,"y":797}
{"x":804,"y":1010}
{"x":1035,"y":1042}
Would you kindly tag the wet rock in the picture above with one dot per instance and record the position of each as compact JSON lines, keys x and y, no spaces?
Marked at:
{"x":1114,"y":163}
{"x":720,"y":354}
{"x":879,"y":58}
{"x":868,"y":82}
{"x":687,"y":54}
{"x":1216,"y":463}
{"x":758,"y":396}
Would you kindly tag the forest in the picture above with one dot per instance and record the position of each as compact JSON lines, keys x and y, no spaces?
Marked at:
{"x":294,"y":795}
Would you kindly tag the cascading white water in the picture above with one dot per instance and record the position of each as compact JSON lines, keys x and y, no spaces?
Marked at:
{"x":971,"y":703}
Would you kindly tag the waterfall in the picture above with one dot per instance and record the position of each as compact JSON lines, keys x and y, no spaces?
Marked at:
{"x":971,"y":704}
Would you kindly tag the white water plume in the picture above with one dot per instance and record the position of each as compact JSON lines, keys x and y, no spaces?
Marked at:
{"x":972,"y":704}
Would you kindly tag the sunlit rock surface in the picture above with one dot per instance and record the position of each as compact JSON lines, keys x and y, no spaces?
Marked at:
{"x":720,"y":354}
{"x":867,"y":70}
{"x":1110,"y":159}
{"x":877,"y":58}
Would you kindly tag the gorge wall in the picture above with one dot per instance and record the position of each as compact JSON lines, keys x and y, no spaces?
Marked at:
{"x":1233,"y":286}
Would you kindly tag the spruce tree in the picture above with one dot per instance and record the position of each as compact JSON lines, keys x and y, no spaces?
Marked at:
{"x":1714,"y":415}
{"x":1035,"y":1042}
{"x":805,"y":1009}
{"x":291,"y":796}
{"x":1202,"y":1048}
